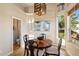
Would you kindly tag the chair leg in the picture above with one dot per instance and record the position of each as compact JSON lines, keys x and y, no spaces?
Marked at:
{"x":37,"y":51}
{"x":46,"y":54}
{"x":24,"y":52}
{"x":32,"y":52}
{"x":27,"y":52}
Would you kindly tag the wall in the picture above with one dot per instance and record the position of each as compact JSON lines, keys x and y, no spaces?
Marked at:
{"x":50,"y":16}
{"x":6,"y":26}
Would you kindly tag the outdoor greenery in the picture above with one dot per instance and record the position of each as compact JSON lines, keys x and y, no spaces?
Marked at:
{"x":61,"y":33}
{"x":73,"y":22}
{"x":61,"y":26}
{"x":61,"y":22}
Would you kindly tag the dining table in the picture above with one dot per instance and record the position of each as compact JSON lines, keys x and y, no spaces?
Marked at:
{"x":41,"y":44}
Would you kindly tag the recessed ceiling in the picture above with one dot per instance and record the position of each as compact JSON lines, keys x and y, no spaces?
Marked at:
{"x":25,"y":4}
{"x":31,"y":4}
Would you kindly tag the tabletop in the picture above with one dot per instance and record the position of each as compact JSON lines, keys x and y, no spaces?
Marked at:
{"x":45,"y":43}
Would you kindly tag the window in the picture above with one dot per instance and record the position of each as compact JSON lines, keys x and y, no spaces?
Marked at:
{"x":61,"y":28}
{"x":74,"y":26}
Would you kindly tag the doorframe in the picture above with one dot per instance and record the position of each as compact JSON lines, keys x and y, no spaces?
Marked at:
{"x":13,"y":17}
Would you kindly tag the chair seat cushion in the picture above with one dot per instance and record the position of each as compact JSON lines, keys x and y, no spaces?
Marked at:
{"x":40,"y":53}
{"x":52,"y":50}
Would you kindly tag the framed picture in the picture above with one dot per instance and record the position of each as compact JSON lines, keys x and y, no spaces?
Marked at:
{"x":46,"y":26}
{"x":37,"y":26}
{"x":42,"y":25}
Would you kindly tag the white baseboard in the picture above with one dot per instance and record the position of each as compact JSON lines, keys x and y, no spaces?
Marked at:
{"x":7,"y":54}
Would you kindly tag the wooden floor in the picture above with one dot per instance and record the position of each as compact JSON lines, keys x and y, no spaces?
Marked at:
{"x":20,"y":52}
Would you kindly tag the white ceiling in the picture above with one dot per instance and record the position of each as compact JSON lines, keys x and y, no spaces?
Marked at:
{"x":25,"y":4}
{"x":30,"y":6}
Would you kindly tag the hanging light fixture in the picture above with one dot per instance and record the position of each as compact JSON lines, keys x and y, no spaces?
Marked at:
{"x":39,"y":9}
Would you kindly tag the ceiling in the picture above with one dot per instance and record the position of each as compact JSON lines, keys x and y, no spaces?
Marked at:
{"x":30,"y":6}
{"x":25,"y":4}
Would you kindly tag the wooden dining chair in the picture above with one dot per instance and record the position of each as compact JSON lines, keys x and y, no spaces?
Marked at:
{"x":54,"y":51}
{"x":44,"y":35}
{"x":40,"y":52}
{"x":28,"y":46}
{"x":31,"y":48}
{"x":26,"y":49}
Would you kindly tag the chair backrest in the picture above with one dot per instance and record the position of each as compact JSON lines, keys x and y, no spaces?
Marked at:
{"x":31,"y":36}
{"x":28,"y":44}
{"x":59,"y":46}
{"x":43,"y":35}
{"x":25,"y":37}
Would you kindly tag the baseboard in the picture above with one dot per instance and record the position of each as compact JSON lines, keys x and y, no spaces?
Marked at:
{"x":9,"y":53}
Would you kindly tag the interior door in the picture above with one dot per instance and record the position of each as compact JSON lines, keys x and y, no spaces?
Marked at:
{"x":16,"y":33}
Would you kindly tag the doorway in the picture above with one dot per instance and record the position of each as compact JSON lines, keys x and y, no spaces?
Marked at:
{"x":16,"y":33}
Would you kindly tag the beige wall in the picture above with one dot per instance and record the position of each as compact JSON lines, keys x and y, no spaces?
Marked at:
{"x":50,"y":15}
{"x":6,"y":26}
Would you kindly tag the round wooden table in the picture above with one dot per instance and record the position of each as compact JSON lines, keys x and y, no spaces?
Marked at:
{"x":42,"y":44}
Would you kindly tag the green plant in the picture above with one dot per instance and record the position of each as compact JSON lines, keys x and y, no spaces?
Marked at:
{"x":73,"y":21}
{"x":61,"y":22}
